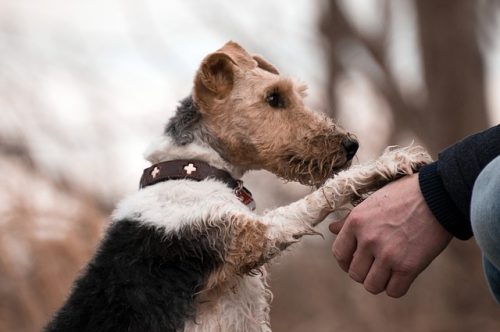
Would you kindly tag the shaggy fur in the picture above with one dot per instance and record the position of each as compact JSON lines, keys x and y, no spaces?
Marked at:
{"x":182,"y":126}
{"x":172,"y":265}
{"x":189,"y":256}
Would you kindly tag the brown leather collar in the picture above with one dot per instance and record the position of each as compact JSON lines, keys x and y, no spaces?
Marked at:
{"x":194,"y":170}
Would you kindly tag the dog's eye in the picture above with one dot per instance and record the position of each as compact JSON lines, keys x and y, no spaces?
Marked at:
{"x":275,"y":100}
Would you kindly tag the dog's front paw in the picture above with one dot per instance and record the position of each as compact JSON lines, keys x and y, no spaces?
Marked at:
{"x":360,"y":181}
{"x":396,"y":161}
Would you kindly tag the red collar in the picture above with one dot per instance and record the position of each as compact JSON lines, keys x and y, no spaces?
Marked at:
{"x":194,"y":170}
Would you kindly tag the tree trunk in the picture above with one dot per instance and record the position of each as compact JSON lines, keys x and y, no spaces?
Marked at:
{"x":453,"y":71}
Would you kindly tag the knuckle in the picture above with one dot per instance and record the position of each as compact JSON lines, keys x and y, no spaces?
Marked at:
{"x":354,"y":220}
{"x":388,"y":256}
{"x":370,"y":241}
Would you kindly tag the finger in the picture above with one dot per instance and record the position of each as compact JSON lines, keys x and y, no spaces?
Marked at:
{"x":360,"y":265}
{"x":378,"y":277}
{"x":336,"y":226}
{"x":343,"y":248}
{"x":399,"y":284}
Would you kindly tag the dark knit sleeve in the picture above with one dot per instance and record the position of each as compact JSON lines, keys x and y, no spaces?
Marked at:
{"x":447,"y":183}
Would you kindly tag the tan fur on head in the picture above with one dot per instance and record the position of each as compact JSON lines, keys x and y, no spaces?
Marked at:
{"x":263,"y":64}
{"x":232,"y":89}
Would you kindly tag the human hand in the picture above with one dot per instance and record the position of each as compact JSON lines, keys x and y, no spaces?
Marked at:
{"x":389,"y":238}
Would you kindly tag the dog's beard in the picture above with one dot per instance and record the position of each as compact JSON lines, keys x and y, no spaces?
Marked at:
{"x":313,"y":171}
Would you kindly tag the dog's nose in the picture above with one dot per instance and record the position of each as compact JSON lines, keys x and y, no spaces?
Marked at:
{"x":351,"y":147}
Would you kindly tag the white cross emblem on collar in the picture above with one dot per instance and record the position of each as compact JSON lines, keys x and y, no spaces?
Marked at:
{"x":155,"y":172}
{"x":189,"y":169}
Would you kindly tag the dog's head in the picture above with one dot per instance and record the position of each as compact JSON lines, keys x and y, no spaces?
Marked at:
{"x":257,"y":119}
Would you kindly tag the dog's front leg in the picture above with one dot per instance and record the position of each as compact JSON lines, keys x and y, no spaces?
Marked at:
{"x":250,"y":241}
{"x":254,"y":240}
{"x":346,"y":187}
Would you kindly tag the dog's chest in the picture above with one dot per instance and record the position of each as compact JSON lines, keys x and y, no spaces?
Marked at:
{"x":241,"y":306}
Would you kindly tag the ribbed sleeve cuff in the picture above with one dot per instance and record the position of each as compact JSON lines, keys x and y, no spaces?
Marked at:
{"x":440,"y":203}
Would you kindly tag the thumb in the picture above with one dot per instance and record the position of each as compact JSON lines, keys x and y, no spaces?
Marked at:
{"x":336,"y":226}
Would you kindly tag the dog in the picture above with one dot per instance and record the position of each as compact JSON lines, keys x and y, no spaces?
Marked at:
{"x":187,"y":252}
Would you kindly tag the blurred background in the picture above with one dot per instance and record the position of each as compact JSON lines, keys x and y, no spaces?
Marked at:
{"x":86,"y":85}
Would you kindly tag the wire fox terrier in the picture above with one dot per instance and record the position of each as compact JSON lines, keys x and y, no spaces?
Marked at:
{"x":186,"y":252}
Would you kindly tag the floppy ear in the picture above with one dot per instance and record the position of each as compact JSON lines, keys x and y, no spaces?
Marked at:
{"x":215,"y":78}
{"x":261,"y":63}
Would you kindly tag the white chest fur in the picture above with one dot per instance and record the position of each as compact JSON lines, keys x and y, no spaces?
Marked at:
{"x":241,"y":305}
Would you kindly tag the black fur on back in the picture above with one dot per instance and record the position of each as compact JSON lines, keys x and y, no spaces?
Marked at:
{"x":183,"y":125}
{"x":141,"y":279}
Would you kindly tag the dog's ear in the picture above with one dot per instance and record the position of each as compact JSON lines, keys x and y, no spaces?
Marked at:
{"x":215,"y":78}
{"x":262,"y":63}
